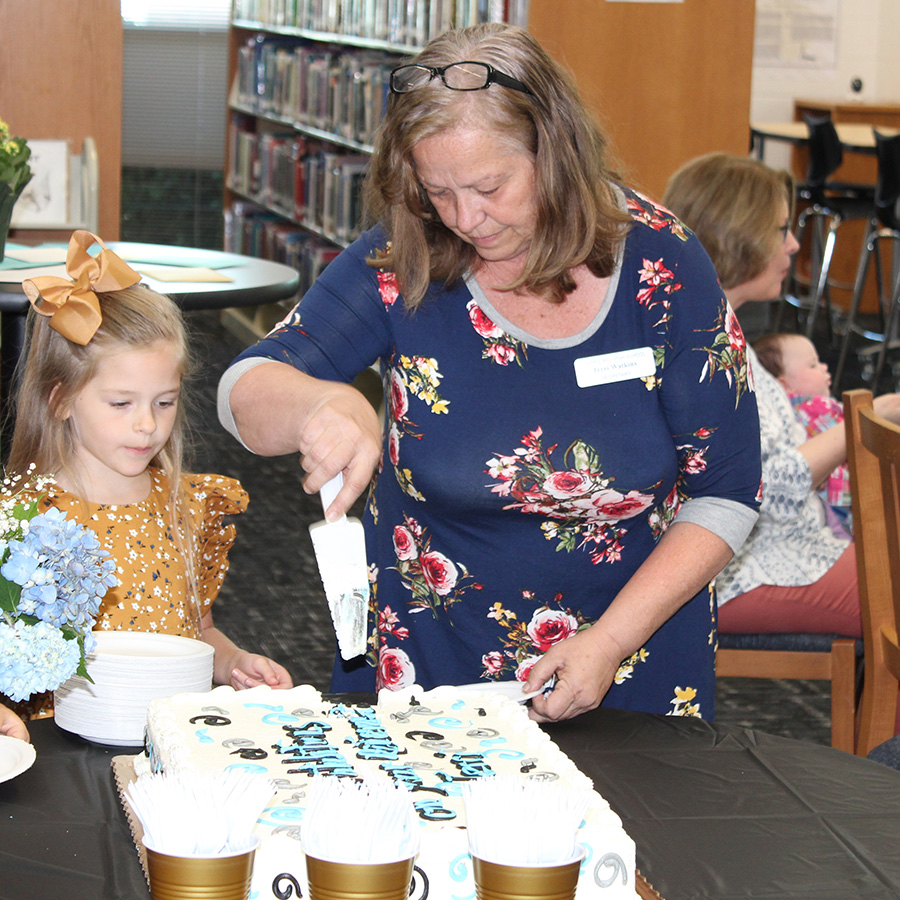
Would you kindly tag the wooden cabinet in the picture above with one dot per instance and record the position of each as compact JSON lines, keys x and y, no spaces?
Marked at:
{"x":669,"y":81}
{"x":61,"y":78}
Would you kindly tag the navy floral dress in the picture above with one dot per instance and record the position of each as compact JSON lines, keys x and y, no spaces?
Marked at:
{"x":524,"y":481}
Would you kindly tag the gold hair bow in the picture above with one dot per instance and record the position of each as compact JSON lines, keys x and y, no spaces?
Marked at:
{"x":72,"y":305}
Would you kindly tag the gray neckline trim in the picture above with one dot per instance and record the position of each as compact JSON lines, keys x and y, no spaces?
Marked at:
{"x":554,"y":343}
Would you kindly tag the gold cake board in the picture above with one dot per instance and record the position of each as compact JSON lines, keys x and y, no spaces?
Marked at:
{"x":123,"y":769}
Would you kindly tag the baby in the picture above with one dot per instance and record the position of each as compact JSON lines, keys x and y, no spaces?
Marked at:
{"x":793,"y":360}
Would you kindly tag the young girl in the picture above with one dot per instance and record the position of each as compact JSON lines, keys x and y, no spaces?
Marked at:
{"x":795,"y":363}
{"x":99,"y":408}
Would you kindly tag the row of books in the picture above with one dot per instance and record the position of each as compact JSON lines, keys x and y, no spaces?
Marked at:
{"x":254,"y":231}
{"x":306,"y":181}
{"x":340,"y":92}
{"x":409,"y":23}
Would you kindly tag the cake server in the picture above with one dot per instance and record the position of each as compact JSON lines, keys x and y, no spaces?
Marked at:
{"x":340,"y":549}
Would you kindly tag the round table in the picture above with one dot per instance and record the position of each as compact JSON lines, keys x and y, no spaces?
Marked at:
{"x":253,"y":282}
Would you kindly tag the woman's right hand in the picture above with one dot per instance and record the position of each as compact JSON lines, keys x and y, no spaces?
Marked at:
{"x":280,"y":410}
{"x":342,"y":433}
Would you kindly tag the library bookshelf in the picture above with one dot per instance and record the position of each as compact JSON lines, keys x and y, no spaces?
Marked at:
{"x":308,"y":86}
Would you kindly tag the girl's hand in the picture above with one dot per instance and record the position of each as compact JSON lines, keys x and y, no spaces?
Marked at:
{"x":584,"y":665}
{"x":12,"y":725}
{"x":252,"y":670}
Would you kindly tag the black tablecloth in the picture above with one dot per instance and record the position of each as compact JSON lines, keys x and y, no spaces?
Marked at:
{"x":721,"y":813}
{"x":717,"y":813}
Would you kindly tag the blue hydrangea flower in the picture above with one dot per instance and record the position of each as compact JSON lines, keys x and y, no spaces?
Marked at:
{"x":36,"y":658}
{"x":63,"y":574}
{"x":62,"y":570}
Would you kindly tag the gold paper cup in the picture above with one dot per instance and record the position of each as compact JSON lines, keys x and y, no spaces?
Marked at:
{"x":223,"y":877}
{"x":494,"y":881}
{"x":358,"y":881}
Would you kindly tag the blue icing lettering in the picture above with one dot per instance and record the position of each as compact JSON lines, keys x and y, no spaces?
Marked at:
{"x":283,"y":814}
{"x":202,"y":736}
{"x":263,"y":706}
{"x":489,"y":742}
{"x":279,"y":719}
{"x":459,"y":867}
{"x":447,"y":722}
{"x":459,"y":704}
{"x":247,"y":767}
{"x":504,"y":754}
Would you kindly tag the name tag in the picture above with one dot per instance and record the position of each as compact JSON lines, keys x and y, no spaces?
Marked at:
{"x":611,"y":367}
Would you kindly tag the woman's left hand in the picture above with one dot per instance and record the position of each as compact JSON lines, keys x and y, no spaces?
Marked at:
{"x":252,"y":670}
{"x":584,"y":666}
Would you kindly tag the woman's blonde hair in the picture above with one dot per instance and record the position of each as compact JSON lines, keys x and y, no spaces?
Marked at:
{"x":578,"y":220}
{"x":734,"y":205}
{"x":53,"y":371}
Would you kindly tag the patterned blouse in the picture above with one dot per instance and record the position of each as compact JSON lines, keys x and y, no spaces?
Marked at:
{"x":524,"y":480}
{"x":792,"y":544}
{"x":152,"y":593}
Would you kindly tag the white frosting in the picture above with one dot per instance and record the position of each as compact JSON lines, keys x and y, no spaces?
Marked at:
{"x":429,"y":741}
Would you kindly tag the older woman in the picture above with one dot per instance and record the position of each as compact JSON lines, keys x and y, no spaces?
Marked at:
{"x":571,"y":447}
{"x":793,"y":574}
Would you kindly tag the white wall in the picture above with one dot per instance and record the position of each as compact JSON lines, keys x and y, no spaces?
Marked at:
{"x":868,"y":47}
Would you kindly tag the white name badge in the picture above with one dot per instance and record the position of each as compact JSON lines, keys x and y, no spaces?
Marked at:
{"x":610,"y":367}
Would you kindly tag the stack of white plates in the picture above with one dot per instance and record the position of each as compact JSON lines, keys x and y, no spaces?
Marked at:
{"x":129,"y":669}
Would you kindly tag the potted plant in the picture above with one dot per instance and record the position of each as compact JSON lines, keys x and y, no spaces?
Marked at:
{"x":15,"y":173}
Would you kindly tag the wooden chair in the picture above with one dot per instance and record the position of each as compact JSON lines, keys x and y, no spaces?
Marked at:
{"x":798,"y":656}
{"x":873,"y":454}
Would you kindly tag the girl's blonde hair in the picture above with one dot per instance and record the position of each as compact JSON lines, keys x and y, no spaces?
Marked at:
{"x":734,"y":205}
{"x":53,"y":371}
{"x":578,"y":218}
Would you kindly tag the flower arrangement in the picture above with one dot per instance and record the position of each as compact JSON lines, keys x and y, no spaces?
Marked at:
{"x":53,"y":575}
{"x":15,"y":172}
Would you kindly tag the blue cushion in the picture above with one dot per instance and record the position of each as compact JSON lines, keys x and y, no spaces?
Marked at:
{"x":888,"y":753}
{"x":779,"y":641}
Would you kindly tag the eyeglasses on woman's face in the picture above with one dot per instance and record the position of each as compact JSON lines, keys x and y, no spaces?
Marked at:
{"x":459,"y":76}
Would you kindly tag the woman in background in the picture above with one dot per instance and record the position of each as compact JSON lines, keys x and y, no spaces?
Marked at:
{"x":794,"y":574}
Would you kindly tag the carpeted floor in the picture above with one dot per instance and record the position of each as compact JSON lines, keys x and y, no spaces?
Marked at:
{"x":272,"y":600}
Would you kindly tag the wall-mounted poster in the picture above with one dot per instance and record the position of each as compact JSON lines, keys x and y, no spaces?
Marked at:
{"x":796,"y":34}
{"x":45,"y":201}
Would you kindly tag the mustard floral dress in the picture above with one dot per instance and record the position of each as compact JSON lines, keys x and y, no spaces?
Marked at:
{"x":152,"y":593}
{"x":525,"y":480}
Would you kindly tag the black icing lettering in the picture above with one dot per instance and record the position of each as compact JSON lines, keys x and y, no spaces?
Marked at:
{"x":425,"y":735}
{"x":211,"y":720}
{"x":250,"y":753}
{"x":285,"y":891}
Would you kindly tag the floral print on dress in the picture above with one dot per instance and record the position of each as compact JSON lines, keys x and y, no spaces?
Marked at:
{"x":728,"y":354}
{"x":387,"y":287}
{"x":419,"y":376}
{"x":526,"y":642}
{"x":683,"y":703}
{"x":655,"y":216}
{"x":433,"y":580}
{"x":498,"y":345}
{"x":657,"y":278}
{"x":627,"y":666}
{"x":583,"y":507}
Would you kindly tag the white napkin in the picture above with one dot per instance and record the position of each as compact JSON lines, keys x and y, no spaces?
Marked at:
{"x":359,"y":822}
{"x":520,"y":821}
{"x":199,"y":814}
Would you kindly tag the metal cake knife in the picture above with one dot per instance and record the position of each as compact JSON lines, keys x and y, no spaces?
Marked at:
{"x":340,"y":549}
